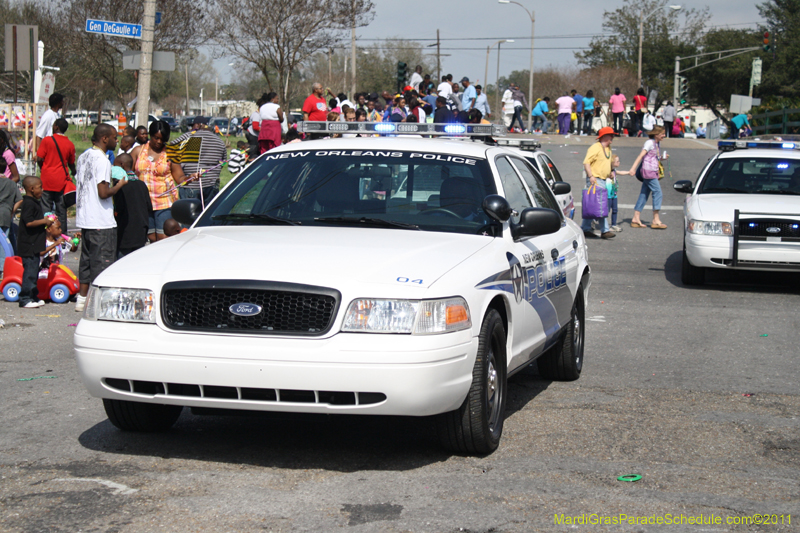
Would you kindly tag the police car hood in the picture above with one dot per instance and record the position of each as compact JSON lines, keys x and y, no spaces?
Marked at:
{"x":323,"y":256}
{"x":720,"y":207}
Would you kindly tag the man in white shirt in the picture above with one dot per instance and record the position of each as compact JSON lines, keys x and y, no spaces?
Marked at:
{"x":508,"y":107}
{"x":482,"y":103}
{"x":45,"y":126}
{"x":416,"y":78}
{"x":95,"y":209}
{"x":446,"y":87}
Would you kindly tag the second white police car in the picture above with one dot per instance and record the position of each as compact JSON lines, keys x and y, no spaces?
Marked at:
{"x":744,"y":211}
{"x":392,"y":276}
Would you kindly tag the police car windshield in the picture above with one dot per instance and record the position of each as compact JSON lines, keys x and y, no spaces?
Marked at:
{"x":394,"y":190}
{"x":752,"y":175}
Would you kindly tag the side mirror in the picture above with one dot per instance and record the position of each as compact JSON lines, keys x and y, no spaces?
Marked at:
{"x":536,"y":221}
{"x":561,"y":187}
{"x":684,"y":186}
{"x":497,"y":208}
{"x":186,"y":211}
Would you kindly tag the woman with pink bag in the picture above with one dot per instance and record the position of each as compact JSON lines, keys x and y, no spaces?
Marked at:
{"x":649,"y":158}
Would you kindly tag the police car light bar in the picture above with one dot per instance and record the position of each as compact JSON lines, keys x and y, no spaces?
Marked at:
{"x":527,"y":145}
{"x":403,"y":128}
{"x":730,"y":146}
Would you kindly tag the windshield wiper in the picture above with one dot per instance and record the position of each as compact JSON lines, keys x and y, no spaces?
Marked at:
{"x":259,"y":218}
{"x":778,"y":192}
{"x":724,"y":189}
{"x":366,"y":221}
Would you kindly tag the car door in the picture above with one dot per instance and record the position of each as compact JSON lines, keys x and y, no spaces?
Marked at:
{"x":528,"y":334}
{"x":558,"y":269}
{"x":551,"y":175}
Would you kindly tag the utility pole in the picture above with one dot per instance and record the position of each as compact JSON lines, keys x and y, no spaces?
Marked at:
{"x":353,"y":59}
{"x":438,"y":60}
{"x":146,"y":68}
{"x":187,"y":88}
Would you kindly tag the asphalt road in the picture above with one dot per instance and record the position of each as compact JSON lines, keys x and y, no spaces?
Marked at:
{"x":680,"y":386}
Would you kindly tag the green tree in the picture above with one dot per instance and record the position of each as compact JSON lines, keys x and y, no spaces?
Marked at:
{"x":711,"y":85}
{"x":667,"y":34}
{"x":781,"y":69}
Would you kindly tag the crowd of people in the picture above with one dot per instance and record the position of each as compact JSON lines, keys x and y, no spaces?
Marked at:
{"x":125,"y":185}
{"x":123,"y":190}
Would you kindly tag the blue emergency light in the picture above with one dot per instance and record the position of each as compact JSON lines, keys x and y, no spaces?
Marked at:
{"x":729,"y":146}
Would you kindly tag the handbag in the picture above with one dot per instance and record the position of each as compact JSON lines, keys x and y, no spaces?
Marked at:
{"x":639,"y":175}
{"x":660,"y":171}
{"x":595,"y":203}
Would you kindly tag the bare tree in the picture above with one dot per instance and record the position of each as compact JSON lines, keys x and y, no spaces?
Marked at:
{"x":100,"y":56}
{"x":277,"y":38}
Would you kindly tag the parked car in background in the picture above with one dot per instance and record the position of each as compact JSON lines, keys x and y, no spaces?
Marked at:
{"x":186,"y":124}
{"x":223,"y":123}
{"x":106,"y":117}
{"x":295,"y":117}
{"x":78,"y":118}
{"x":173,"y":123}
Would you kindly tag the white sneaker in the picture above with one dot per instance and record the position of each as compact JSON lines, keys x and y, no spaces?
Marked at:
{"x":616,"y":228}
{"x":41,"y":303}
{"x":32,"y":305}
{"x":80,"y":303}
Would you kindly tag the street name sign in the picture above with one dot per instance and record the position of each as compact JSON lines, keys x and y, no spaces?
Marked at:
{"x":116,"y":29}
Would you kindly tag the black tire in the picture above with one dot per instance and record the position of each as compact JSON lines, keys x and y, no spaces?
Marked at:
{"x":690,"y":274}
{"x":564,"y":361}
{"x":143,"y":417}
{"x":476,"y":426}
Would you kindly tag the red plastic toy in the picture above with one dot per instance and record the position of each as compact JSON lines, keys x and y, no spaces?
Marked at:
{"x":59,"y":285}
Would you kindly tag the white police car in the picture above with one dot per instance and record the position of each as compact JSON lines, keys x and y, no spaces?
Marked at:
{"x":543,"y":164}
{"x":390,"y":276}
{"x":744,"y":211}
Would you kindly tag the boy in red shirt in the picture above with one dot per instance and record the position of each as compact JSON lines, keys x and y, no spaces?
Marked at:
{"x":56,"y":157}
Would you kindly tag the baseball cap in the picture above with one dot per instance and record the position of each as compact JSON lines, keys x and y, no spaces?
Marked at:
{"x":200,"y":120}
{"x":605,"y":131}
{"x":464,"y":79}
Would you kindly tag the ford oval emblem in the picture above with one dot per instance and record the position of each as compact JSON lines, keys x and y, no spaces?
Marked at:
{"x":773,"y":230}
{"x":245,"y":309}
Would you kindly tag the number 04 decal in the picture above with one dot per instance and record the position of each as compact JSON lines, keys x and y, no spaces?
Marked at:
{"x":406,"y":280}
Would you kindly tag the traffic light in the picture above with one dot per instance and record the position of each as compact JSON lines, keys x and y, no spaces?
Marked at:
{"x":683,"y":89}
{"x":767,"y":42}
{"x":402,"y":75}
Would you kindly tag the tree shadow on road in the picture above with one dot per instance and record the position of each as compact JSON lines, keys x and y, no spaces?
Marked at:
{"x":718,"y":279}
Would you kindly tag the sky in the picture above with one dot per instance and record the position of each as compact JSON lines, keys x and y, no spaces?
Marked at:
{"x":487,"y":21}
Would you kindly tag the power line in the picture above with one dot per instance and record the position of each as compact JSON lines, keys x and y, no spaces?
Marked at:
{"x":567,"y":36}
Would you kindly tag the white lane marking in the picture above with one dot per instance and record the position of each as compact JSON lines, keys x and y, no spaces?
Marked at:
{"x":118,"y":487}
{"x":631,"y":206}
{"x":598,"y":318}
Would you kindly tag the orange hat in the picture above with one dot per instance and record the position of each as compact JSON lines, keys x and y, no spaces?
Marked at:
{"x":608,"y":130}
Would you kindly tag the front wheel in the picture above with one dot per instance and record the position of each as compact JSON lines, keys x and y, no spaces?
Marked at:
{"x":11,"y":291}
{"x":476,"y":426}
{"x":564,"y":361}
{"x":143,"y":417}
{"x":59,"y":293}
{"x":690,"y":274}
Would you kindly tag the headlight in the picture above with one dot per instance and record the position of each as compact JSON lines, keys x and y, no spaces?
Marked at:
{"x":370,"y":315}
{"x":121,"y":305}
{"x":700,"y":227}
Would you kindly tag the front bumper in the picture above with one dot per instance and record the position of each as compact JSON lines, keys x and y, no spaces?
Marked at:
{"x":712,"y":251}
{"x":370,"y":373}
